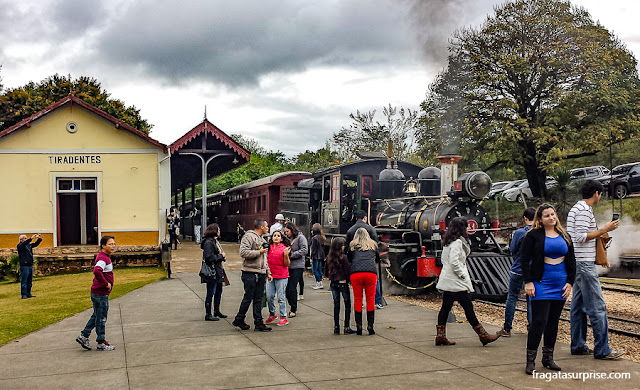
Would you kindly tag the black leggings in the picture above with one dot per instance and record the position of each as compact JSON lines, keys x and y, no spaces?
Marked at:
{"x":464,"y":299}
{"x":545,"y":317}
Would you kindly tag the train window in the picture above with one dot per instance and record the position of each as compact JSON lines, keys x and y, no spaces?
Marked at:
{"x":264,"y":203}
{"x":259,"y":208}
{"x":335,"y":188}
{"x":326,"y":192}
{"x":367,"y":185}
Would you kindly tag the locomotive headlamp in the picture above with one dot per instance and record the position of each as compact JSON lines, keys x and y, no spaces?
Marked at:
{"x":474,"y":184}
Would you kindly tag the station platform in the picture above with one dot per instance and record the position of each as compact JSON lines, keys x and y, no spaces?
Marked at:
{"x":163,"y":342}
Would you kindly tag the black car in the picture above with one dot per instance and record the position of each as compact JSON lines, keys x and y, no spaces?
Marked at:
{"x":624,"y":180}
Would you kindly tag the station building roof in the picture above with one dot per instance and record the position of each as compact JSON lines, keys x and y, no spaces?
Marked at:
{"x":72,"y":99}
{"x":206,"y":140}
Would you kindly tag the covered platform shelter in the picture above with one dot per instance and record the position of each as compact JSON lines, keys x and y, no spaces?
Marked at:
{"x":201,"y":154}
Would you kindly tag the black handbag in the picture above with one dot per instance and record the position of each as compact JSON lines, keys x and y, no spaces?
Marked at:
{"x":207,"y":272}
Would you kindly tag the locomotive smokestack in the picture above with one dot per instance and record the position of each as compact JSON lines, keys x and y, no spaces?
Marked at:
{"x":449,"y":168}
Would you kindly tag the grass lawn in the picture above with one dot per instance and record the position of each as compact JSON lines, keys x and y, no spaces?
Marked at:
{"x":59,"y":297}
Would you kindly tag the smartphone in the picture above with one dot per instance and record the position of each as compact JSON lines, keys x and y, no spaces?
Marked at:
{"x":616,"y":216}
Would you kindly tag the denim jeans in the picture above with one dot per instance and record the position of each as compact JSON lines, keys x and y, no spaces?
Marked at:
{"x":378,"y":294}
{"x":26,"y":279}
{"x":98,"y":319}
{"x":316,"y":267}
{"x":254,"y":284}
{"x":515,"y":286}
{"x":277,"y":286}
{"x":588,"y":300}
{"x":338,"y":289}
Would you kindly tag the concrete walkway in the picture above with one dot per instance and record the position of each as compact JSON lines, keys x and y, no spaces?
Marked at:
{"x":162,"y":342}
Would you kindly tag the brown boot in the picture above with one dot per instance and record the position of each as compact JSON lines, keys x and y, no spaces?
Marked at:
{"x":531,"y":361}
{"x":547,"y":359}
{"x":441,"y":337}
{"x":485,"y":338}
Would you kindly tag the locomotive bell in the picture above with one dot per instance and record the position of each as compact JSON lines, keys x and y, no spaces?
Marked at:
{"x":429,"y":181}
{"x":473,"y":184}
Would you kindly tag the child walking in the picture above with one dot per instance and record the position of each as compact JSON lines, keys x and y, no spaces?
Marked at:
{"x":278,"y":260}
{"x":337,"y":269}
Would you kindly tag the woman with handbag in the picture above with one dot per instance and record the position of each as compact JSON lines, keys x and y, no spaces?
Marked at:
{"x":278,"y":260}
{"x":212,"y":272}
{"x":549,"y":270}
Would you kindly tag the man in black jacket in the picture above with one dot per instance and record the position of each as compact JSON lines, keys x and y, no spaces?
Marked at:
{"x":25,"y":253}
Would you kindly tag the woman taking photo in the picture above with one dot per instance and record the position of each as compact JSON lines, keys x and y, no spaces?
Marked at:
{"x":337,"y":269}
{"x":549,"y":270}
{"x":317,"y":254}
{"x":299,"y":250}
{"x":455,"y":282}
{"x":364,"y":277}
{"x":213,"y":255}
{"x":278,"y":260}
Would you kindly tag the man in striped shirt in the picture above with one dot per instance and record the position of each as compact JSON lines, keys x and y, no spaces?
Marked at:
{"x":587,"y":294}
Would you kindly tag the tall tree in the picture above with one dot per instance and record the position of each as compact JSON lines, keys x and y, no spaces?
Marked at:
{"x":537,"y":83}
{"x":17,"y":104}
{"x":367,"y":134}
{"x":312,"y":161}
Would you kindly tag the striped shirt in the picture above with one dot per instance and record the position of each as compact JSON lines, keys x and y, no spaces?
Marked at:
{"x":581,"y":221}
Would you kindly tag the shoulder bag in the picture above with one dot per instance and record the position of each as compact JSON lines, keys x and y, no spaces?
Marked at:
{"x":207,"y":272}
{"x":602,"y":243}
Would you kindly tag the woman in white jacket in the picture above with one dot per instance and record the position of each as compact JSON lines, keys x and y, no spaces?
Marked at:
{"x":455,"y":282}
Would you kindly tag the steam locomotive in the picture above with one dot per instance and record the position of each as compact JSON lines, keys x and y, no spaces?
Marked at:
{"x":410,"y":216}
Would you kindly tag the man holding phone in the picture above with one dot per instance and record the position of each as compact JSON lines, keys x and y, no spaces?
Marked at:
{"x":587,"y":294}
{"x":25,"y":253}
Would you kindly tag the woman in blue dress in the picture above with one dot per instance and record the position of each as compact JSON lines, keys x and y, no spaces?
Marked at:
{"x":549,"y":270}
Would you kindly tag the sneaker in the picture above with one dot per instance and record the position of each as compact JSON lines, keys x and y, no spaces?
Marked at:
{"x":504,"y":333}
{"x":261,"y":328}
{"x":318,"y":286}
{"x":271,"y":318}
{"x":379,"y":306}
{"x":348,"y":330}
{"x":283,"y":321}
{"x":240,"y":324}
{"x":105,"y":347}
{"x":587,"y":351}
{"x":611,"y":356}
{"x":301,"y":297}
{"x":84,"y":342}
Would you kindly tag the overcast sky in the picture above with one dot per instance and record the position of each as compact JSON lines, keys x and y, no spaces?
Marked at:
{"x":287,"y":72}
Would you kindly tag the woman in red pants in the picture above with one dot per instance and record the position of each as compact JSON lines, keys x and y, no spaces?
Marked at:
{"x":364,"y":277}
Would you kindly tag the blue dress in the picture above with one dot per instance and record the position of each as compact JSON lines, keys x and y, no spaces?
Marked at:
{"x":554,"y":276}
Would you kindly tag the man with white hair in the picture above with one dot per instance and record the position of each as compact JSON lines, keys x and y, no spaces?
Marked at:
{"x":279,"y":225}
{"x":25,"y":253}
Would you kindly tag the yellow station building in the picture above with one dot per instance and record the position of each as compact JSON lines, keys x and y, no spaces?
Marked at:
{"x":74,"y":173}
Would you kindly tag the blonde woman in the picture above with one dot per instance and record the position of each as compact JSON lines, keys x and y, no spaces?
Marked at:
{"x":364,"y":277}
{"x":549,"y":270}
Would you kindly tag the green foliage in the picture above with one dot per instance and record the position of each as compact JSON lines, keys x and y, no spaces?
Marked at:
{"x":5,"y":268}
{"x":312,"y":161}
{"x":17,"y":104}
{"x":538,"y":83}
{"x":366,"y":134}
{"x":14,"y":267}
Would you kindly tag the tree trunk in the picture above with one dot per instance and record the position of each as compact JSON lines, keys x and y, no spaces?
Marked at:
{"x":535,"y":175}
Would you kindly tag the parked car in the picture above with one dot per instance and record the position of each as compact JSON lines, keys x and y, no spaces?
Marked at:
{"x":589,"y":173}
{"x":498,"y":187}
{"x":624,"y":180}
{"x":523,"y":191}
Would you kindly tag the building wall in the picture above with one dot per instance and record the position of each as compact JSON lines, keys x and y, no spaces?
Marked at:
{"x":127,"y":169}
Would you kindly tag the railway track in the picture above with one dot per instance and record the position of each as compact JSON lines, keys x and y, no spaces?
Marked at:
{"x":611,"y":329}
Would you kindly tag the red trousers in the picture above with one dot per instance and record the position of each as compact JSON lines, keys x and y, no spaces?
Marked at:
{"x":364,"y":281}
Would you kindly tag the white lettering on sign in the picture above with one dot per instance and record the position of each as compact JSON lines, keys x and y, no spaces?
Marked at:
{"x":473,"y":226}
{"x":75,"y":159}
